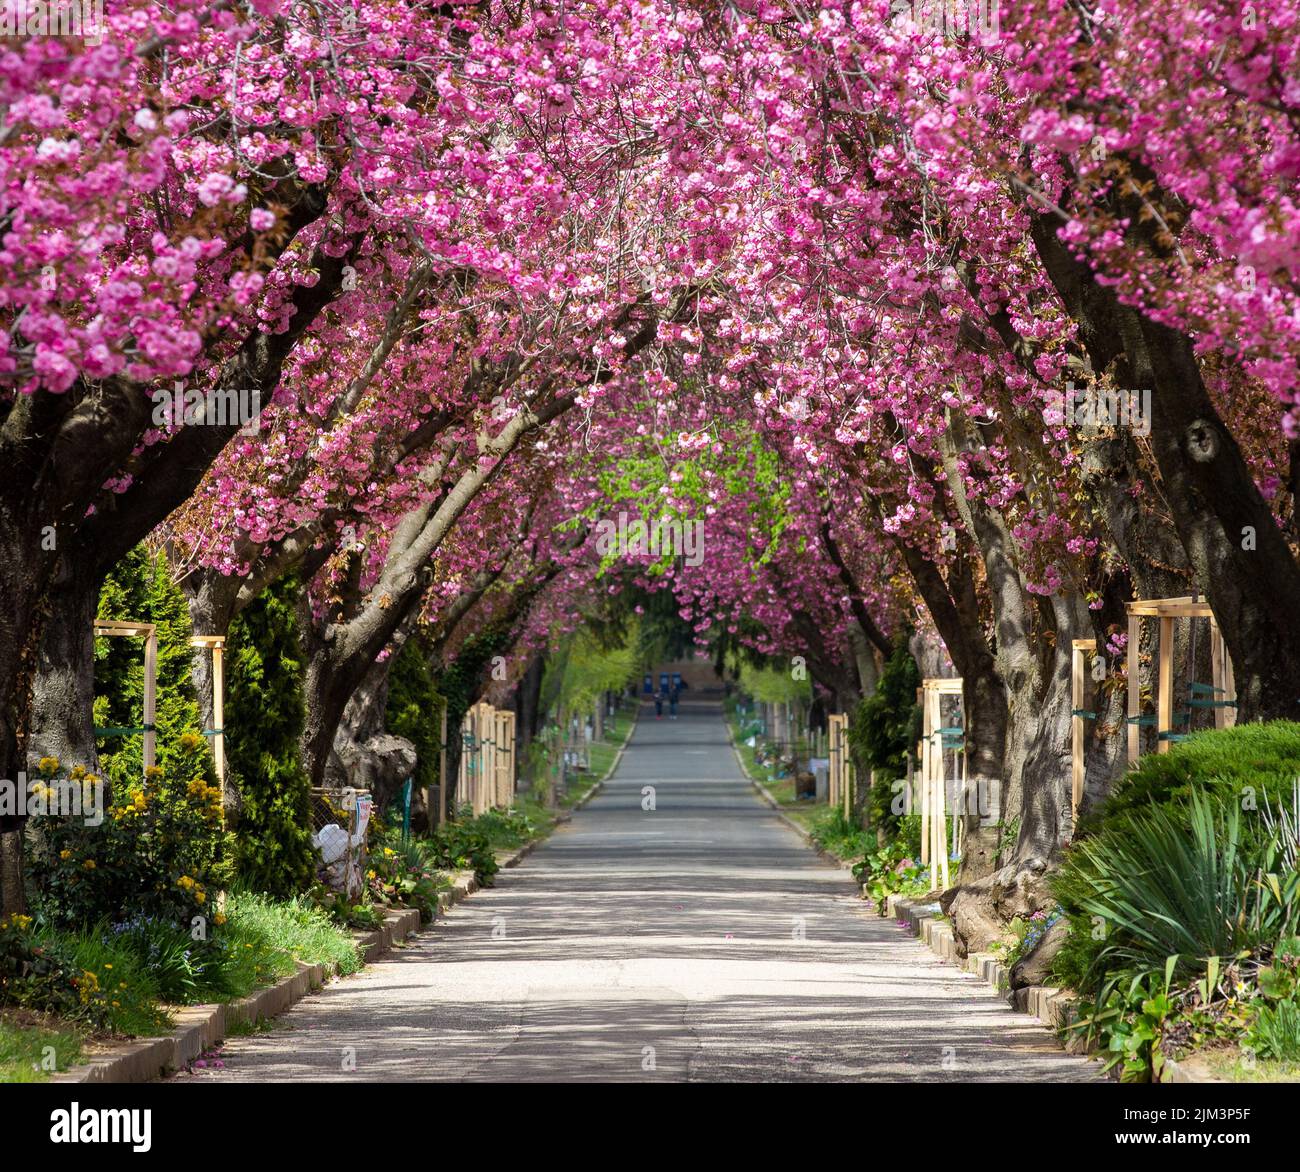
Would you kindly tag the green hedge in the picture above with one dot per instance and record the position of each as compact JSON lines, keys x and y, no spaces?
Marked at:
{"x":1259,"y":760}
{"x":265,"y":712}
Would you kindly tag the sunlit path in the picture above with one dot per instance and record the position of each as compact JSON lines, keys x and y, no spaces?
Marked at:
{"x":699,"y":940}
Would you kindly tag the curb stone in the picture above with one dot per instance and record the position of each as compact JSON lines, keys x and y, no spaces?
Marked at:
{"x":1053,"y":1007}
{"x":200,"y":1027}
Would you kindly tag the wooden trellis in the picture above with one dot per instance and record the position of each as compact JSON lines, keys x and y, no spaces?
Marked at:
{"x":1220,"y":695}
{"x":487,"y":760}
{"x":148,"y":632}
{"x":1081,"y":651}
{"x":938,"y":740}
{"x":840,"y":770}
{"x":216,"y":645}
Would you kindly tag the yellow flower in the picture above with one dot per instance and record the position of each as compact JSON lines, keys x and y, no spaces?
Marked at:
{"x":89,"y":864}
{"x":48,"y":765}
{"x":108,"y":966}
{"x":78,"y":772}
{"x":186,"y":882}
{"x":199,"y":897}
{"x":190,"y":741}
{"x":65,"y":855}
{"x":218,"y":919}
{"x":153,"y":772}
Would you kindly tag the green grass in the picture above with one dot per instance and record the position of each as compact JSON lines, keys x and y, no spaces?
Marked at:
{"x":277,"y":933}
{"x":24,"y":1043}
{"x":1229,"y":1064}
{"x":125,"y":997}
{"x":808,"y":814}
{"x":125,"y":988}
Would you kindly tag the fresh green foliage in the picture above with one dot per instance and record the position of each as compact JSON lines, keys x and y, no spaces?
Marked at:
{"x":140,"y":588}
{"x":774,"y":685}
{"x":893,"y":869}
{"x":1131,"y":1022}
{"x":1249,"y":764}
{"x":1177,"y":880}
{"x":160,"y":851}
{"x":883,"y":730}
{"x":264,"y":717}
{"x":835,"y":833}
{"x":290,"y":930}
{"x":34,"y":973}
{"x":115,"y":988}
{"x":464,"y":845}
{"x":25,"y":1048}
{"x":404,"y":873}
{"x":590,"y":670}
{"x":1027,"y":932}
{"x":414,"y":707}
{"x":1275,"y":1030}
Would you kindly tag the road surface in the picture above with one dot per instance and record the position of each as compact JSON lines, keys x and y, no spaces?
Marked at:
{"x":699,"y":940}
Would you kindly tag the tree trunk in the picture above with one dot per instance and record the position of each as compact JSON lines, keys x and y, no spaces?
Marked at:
{"x":26,"y":571}
{"x":63,"y":723}
{"x":1241,"y":561}
{"x":12,"y":888}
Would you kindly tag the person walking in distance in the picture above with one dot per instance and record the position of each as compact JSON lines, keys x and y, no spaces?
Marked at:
{"x":659,"y":704}
{"x":672,"y":703}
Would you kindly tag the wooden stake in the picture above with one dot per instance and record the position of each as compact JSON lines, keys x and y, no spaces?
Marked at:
{"x":442,"y":766}
{"x":1165,"y":683}
{"x":219,"y":709}
{"x":150,"y":697}
{"x":1132,"y":664}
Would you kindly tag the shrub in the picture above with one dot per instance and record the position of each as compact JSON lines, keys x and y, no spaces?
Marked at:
{"x":883,"y":730}
{"x":404,"y":873}
{"x":1275,"y":1030}
{"x":1188,"y":880}
{"x":464,"y":845}
{"x":160,"y":850}
{"x":34,"y":974}
{"x":413,"y":709}
{"x":265,"y":713}
{"x":115,"y":988}
{"x":1264,"y":758}
{"x":140,"y":587}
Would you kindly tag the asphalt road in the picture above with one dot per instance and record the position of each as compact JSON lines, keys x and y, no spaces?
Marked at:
{"x":698,"y":940}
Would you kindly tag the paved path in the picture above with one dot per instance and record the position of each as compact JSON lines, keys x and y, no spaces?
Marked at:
{"x":701,"y":940}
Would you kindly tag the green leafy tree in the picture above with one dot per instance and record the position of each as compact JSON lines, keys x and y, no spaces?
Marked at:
{"x":884,"y":728}
{"x":265,"y":712}
{"x":414,"y":707}
{"x":140,"y":588}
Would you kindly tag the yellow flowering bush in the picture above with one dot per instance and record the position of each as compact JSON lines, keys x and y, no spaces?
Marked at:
{"x":159,"y":851}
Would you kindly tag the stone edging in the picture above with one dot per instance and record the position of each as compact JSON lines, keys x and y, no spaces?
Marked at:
{"x":199,"y":1027}
{"x":1053,"y":1007}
